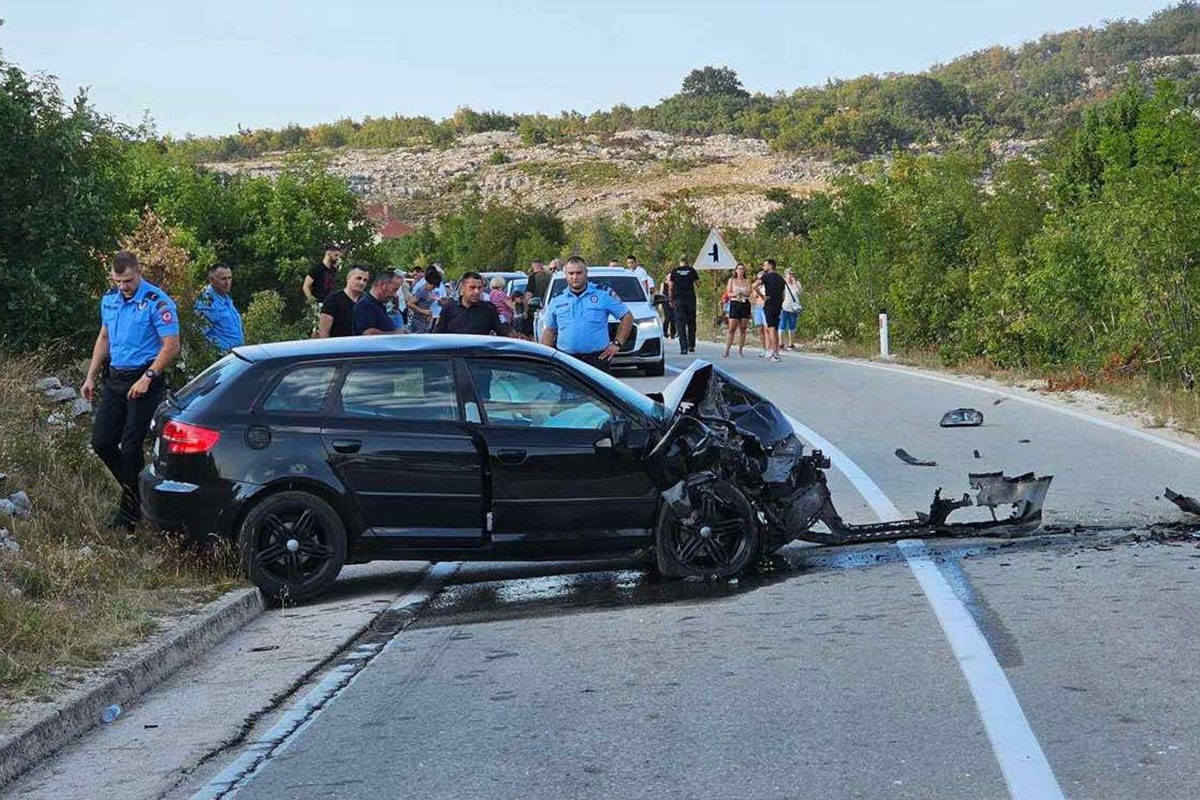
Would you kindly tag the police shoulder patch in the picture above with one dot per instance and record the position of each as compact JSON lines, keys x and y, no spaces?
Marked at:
{"x":166,"y":316}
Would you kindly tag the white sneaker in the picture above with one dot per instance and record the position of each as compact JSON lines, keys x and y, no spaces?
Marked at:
{"x":763,"y":354}
{"x":776,"y":358}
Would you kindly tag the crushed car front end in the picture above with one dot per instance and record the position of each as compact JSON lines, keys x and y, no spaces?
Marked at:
{"x":729,"y":457}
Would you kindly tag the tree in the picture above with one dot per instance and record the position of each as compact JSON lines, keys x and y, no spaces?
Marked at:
{"x":713,"y":82}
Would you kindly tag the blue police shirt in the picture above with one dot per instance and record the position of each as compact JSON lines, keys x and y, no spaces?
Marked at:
{"x":582,"y":320}
{"x":222,"y":322}
{"x":136,"y":326}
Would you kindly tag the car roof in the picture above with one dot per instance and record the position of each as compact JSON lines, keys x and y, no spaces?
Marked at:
{"x":422,"y":343}
{"x":503,"y":274}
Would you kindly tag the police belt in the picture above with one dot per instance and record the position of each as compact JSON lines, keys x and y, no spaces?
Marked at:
{"x":131,"y":374}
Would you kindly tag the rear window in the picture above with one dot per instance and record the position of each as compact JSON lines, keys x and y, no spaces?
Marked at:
{"x":209,"y":382}
{"x":302,"y":390}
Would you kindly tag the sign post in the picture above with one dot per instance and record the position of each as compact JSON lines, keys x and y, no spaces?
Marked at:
{"x":715,"y":254}
{"x":884,"y":351}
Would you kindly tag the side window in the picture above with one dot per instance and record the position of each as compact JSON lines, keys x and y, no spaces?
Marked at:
{"x":418,"y":391}
{"x":302,"y":390}
{"x":533,"y":397}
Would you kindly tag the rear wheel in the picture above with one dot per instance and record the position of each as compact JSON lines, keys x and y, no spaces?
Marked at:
{"x":292,"y":545}
{"x":719,"y":539}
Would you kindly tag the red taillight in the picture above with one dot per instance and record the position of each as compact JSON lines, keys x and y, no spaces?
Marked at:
{"x":185,"y":439}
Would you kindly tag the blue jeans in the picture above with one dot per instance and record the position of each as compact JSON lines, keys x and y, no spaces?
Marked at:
{"x":787,"y":321}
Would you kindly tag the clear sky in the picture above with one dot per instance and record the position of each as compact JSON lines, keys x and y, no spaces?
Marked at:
{"x":206,"y":67}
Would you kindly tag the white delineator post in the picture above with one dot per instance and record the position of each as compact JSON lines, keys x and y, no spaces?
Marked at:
{"x":884,"y":352}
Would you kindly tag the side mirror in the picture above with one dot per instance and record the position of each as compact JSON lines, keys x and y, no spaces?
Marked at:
{"x":536,"y":303}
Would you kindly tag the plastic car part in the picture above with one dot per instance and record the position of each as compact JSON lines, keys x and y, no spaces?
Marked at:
{"x":1185,"y":503}
{"x":904,"y":456}
{"x":1023,"y":494}
{"x":962,"y":418}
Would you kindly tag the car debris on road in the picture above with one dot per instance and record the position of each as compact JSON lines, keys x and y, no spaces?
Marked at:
{"x":908,"y":458}
{"x":962,"y":418}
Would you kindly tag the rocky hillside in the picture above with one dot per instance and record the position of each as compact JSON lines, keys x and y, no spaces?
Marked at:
{"x":724,"y":177}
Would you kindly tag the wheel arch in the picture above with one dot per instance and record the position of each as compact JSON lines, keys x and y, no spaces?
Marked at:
{"x":342,"y":504}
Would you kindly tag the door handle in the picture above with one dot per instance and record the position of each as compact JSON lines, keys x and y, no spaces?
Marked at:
{"x":511,"y":456}
{"x":346,"y":445}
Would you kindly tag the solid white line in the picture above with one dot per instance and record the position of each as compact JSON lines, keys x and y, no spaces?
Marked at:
{"x":1025,"y":767}
{"x":296,"y":719}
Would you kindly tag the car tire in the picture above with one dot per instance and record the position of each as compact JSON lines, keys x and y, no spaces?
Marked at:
{"x":292,"y":545}
{"x":655,"y":370}
{"x":731,"y":547}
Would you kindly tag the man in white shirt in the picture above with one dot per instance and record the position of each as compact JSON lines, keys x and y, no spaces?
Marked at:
{"x":632,"y":264}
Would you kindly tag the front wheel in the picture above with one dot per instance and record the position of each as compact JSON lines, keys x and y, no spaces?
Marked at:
{"x":292,"y":545}
{"x":718,"y":539}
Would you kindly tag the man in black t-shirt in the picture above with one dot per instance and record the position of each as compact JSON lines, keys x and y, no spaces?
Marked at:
{"x":470,"y":314}
{"x":681,"y":291}
{"x":771,"y":286}
{"x":337,"y":312}
{"x":321,"y":279}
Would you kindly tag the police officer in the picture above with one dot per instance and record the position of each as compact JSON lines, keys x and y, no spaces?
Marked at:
{"x":681,"y":291}
{"x":139,"y":338}
{"x":221,"y":321}
{"x":576,"y":321}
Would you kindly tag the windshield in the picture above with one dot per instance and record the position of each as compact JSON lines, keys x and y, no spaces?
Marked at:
{"x":628,"y":395}
{"x":627,"y":287}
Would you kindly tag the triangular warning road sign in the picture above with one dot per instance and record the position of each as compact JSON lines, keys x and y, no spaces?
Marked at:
{"x":715,"y":254}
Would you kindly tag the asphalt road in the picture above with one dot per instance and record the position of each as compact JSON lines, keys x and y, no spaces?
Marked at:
{"x":834,"y":679}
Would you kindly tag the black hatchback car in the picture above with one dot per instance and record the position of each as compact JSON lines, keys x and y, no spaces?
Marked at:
{"x":313,"y":454}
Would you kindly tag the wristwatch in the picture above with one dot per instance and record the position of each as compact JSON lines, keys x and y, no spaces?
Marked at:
{"x":617,"y":344}
{"x":151,"y":374}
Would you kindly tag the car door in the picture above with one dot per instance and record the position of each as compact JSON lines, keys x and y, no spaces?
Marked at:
{"x":396,"y":438}
{"x":557,"y":481}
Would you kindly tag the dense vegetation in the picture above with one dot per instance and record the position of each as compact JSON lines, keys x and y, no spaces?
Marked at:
{"x":1035,"y":90}
{"x":75,"y":186}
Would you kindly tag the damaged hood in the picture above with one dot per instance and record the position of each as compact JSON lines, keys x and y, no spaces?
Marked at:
{"x":709,"y":391}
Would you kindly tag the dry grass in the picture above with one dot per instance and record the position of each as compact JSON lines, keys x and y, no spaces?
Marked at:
{"x":76,"y":590}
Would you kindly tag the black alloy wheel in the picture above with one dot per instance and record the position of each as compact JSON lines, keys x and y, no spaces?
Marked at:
{"x":718,"y":540}
{"x":293,"y":545}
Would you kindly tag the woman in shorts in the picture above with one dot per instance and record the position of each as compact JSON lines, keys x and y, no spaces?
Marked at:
{"x":738,"y":289}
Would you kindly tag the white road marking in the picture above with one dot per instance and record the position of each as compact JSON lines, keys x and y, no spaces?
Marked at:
{"x":297,"y":718}
{"x":1025,"y":767}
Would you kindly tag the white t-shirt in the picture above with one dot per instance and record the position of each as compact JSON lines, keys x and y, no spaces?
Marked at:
{"x":645,"y":278}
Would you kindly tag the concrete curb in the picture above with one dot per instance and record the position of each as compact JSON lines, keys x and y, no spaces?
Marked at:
{"x":81,"y":711}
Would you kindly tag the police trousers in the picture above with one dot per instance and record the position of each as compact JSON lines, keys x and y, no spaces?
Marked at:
{"x":119,"y":431}
{"x":685,"y":323}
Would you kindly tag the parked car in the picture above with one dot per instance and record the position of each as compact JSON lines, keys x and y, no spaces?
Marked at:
{"x":643,"y":350}
{"x":314,"y":454}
